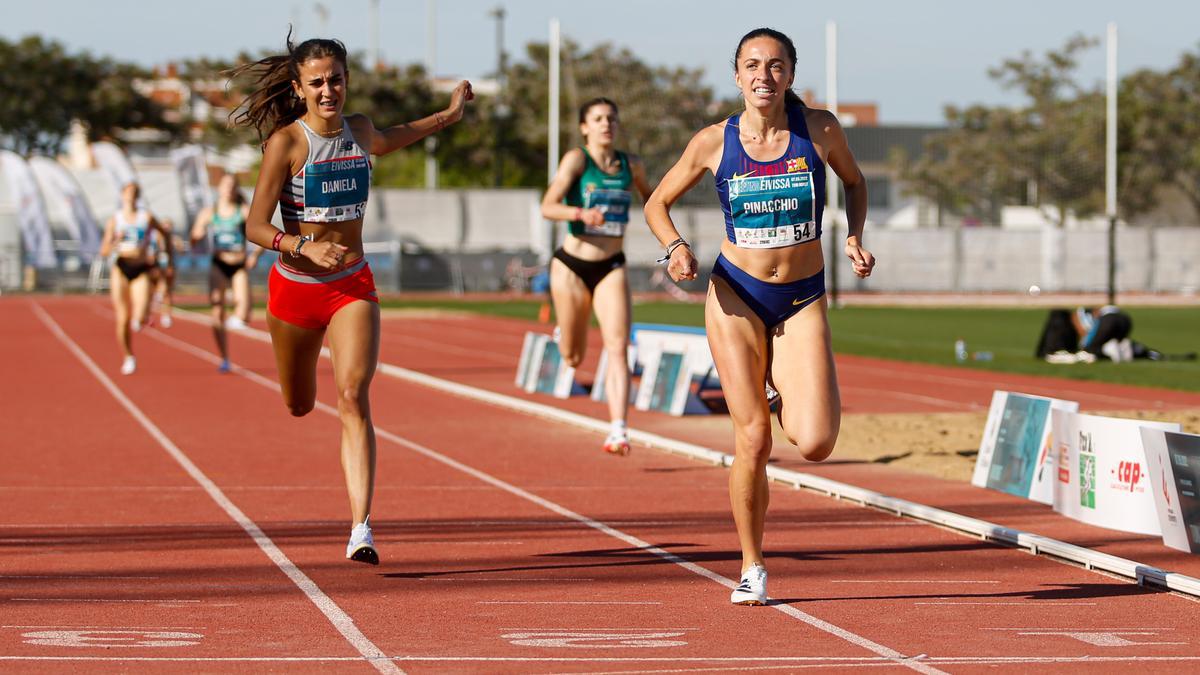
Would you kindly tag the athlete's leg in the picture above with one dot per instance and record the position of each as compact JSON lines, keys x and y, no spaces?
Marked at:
{"x":296,"y":352}
{"x":738,"y":344}
{"x":241,"y":295}
{"x":140,"y":291}
{"x":612,"y":304}
{"x":216,"y":297}
{"x":167,"y":292}
{"x":804,"y":375}
{"x":118,"y":289}
{"x":572,"y":308}
{"x":354,"y":347}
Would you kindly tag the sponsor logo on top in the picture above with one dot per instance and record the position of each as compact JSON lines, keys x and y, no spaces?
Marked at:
{"x":1064,"y":463}
{"x":1087,"y":471}
{"x":797,"y":164}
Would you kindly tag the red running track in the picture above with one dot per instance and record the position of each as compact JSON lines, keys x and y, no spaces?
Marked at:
{"x":509,"y":544}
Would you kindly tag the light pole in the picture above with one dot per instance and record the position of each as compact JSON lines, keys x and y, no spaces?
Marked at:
{"x":500,"y":111}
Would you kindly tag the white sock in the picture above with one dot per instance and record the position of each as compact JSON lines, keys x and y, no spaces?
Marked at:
{"x":618,"y":428}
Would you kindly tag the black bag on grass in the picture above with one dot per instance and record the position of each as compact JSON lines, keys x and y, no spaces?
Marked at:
{"x":1058,"y":334}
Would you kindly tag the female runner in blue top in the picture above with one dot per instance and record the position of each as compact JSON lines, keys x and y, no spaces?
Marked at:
{"x":589,"y":270}
{"x":316,"y":166}
{"x":765,"y":313}
{"x":224,"y":223}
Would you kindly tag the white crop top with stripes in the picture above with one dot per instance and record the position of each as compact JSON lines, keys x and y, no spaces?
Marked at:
{"x":131,"y":234}
{"x":333,"y":185}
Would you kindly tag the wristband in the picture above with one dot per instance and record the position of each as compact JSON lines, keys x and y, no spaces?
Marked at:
{"x":671,"y":249}
{"x":275,"y":242}
{"x":295,"y":253}
{"x":578,"y":213}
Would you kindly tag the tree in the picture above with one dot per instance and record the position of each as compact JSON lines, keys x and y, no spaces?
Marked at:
{"x":1160,"y":126}
{"x":47,"y":88}
{"x":1049,"y":153}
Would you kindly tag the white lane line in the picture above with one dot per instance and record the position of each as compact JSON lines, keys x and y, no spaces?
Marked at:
{"x":490,"y":579}
{"x":798,"y":661}
{"x":957,"y":406}
{"x":151,"y":601}
{"x":1030,"y":603}
{"x":647,"y":547}
{"x":340,"y":620}
{"x":908,"y":581}
{"x":116,"y":627}
{"x":68,"y":576}
{"x":566,"y":602}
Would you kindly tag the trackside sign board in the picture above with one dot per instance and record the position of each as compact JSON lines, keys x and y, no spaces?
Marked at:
{"x":1014,"y":453}
{"x":1101,"y":476}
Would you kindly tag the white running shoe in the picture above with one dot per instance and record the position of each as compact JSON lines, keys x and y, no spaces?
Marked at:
{"x":128,"y":366}
{"x":362,"y":545}
{"x":235,"y":323}
{"x":166,"y":321}
{"x":135,"y":325}
{"x":617,"y":443}
{"x":753,"y":588}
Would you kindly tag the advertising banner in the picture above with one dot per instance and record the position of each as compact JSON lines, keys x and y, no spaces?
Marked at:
{"x":192,"y":170}
{"x":1174,"y":463}
{"x":1103,"y":478}
{"x":31,"y":211}
{"x":1014,"y":453}
{"x":116,"y":165}
{"x":65,"y":189}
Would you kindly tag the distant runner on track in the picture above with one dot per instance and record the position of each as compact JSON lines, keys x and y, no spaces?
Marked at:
{"x":588,"y":271}
{"x":224,"y":225}
{"x":765,"y":313}
{"x":316,"y":166}
{"x":127,"y":236}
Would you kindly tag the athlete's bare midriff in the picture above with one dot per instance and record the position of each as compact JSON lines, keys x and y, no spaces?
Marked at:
{"x":347,"y":233}
{"x":592,"y":248}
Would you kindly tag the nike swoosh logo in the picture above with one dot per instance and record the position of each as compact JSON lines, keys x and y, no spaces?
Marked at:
{"x":801,"y":302}
{"x":737,"y":176}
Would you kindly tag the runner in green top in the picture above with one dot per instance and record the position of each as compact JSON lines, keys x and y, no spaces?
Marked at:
{"x":591,"y":191}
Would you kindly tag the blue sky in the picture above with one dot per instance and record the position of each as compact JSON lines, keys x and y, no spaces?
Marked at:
{"x":911,"y":57}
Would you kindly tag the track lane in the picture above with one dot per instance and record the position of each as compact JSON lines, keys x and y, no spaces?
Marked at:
{"x":661,"y":499}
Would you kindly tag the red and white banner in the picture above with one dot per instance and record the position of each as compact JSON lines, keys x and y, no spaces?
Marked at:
{"x":1102,"y":475}
{"x":31,"y":212}
{"x":64,"y":189}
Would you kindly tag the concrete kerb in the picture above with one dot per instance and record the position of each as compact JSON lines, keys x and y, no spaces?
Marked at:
{"x":1033,"y":543}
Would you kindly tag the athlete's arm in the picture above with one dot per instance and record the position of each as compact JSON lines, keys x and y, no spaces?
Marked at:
{"x":638,"y":169}
{"x":255,"y":251}
{"x":387,"y":140}
{"x":842,"y":161}
{"x":164,"y":231}
{"x":201,"y":225}
{"x":696,"y":159}
{"x":570,"y":168}
{"x":106,"y":242}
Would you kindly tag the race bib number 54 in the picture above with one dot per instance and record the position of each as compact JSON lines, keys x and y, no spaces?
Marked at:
{"x":773,"y":211}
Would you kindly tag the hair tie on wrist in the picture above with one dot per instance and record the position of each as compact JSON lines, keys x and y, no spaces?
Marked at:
{"x":275,"y":242}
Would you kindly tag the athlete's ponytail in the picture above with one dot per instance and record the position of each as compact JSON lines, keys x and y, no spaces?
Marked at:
{"x":273,"y":104}
{"x":790,"y":97}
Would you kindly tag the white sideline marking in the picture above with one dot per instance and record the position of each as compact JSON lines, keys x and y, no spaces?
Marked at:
{"x":907,"y":581}
{"x":565,"y":602}
{"x":809,"y":619}
{"x":67,"y":576}
{"x":797,"y":661}
{"x":166,"y":601}
{"x":1028,"y":603}
{"x":340,"y":620}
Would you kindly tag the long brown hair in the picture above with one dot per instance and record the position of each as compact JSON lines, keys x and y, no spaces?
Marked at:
{"x":273,"y":104}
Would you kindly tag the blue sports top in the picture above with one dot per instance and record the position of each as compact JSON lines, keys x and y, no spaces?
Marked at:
{"x":772,"y":204}
{"x":131,"y":234}
{"x":333,"y":185}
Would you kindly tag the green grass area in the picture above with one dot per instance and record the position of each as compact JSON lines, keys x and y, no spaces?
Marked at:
{"x":927,"y":335}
